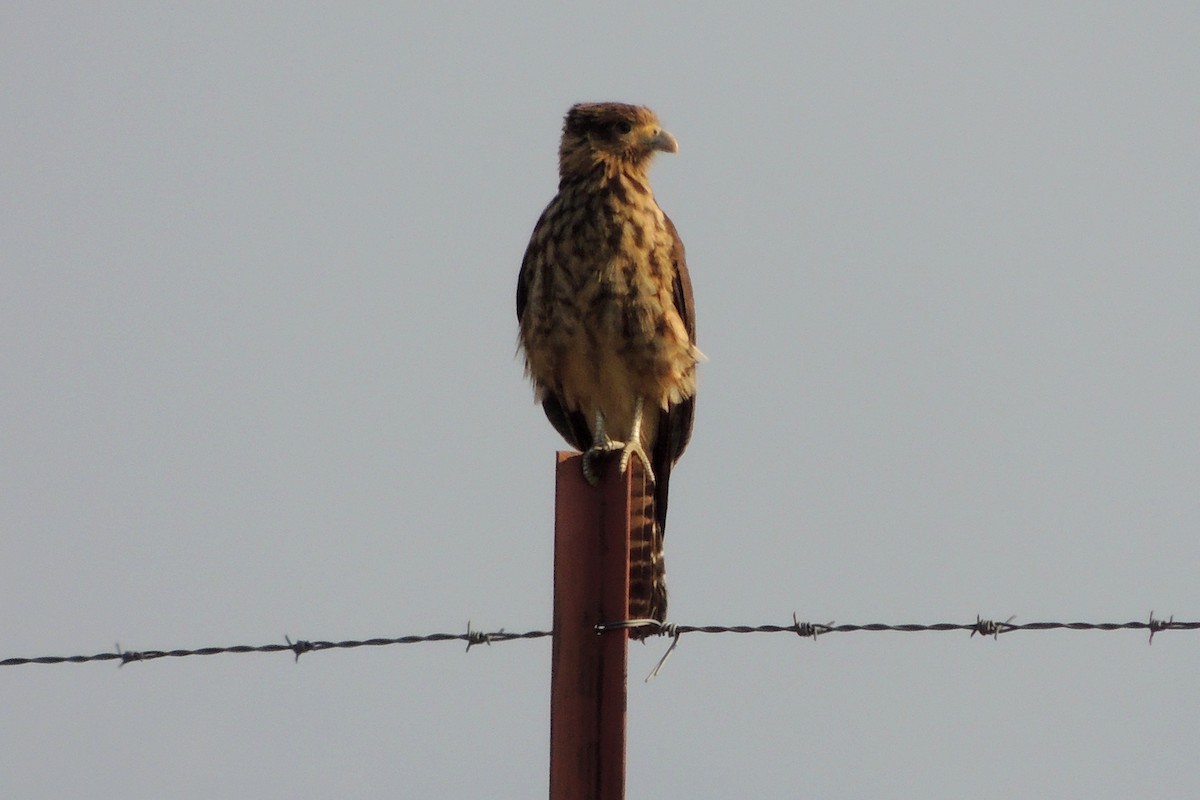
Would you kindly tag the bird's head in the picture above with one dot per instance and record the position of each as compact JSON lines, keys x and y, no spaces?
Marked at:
{"x":617,"y":135}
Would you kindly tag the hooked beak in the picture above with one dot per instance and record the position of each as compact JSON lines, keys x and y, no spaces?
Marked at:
{"x":663,"y":141}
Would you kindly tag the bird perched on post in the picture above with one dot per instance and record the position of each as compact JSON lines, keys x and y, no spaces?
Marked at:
{"x":605,"y":308}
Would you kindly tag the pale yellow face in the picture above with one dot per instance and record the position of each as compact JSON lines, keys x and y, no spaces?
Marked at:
{"x":615,"y":131}
{"x":633,"y":136}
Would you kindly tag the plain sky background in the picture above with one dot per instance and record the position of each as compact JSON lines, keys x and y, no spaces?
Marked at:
{"x":259,"y":378}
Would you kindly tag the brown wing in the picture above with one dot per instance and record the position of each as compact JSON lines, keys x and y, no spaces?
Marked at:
{"x":571,"y":425}
{"x":675,"y":425}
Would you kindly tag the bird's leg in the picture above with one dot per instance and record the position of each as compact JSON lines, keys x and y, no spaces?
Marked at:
{"x":601,"y":446}
{"x":634,"y":444}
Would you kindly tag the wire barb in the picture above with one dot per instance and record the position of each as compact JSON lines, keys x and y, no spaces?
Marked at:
{"x":986,"y":627}
{"x":674,"y":633}
{"x":127,"y":657}
{"x":809,"y":630}
{"x":299,"y":647}
{"x":479,"y":637}
{"x":1156,"y":625}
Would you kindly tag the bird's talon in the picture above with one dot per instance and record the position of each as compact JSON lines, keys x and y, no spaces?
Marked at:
{"x":635,"y":448}
{"x":589,"y":466}
{"x":591,"y":459}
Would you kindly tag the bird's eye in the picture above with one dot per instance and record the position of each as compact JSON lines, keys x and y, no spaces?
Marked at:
{"x":623,"y":127}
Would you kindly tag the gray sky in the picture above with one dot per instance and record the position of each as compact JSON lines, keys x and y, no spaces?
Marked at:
{"x":258,"y":379}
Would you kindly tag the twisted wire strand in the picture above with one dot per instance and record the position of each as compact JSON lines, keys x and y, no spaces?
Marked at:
{"x":472,"y":637}
{"x":983,"y":627}
{"x":298,"y":648}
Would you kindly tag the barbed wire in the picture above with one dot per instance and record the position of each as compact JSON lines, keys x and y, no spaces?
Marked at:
{"x":472,"y":637}
{"x":980,"y":626}
{"x":811,"y":630}
{"x":298,"y":648}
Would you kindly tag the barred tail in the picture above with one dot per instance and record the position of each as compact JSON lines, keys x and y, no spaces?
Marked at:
{"x":647,"y":572}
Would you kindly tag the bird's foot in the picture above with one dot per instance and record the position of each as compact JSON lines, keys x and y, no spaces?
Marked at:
{"x":602,"y":446}
{"x":593,"y":456}
{"x":632,"y":448}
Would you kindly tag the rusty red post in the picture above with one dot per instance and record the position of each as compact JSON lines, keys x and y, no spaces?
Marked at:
{"x":591,"y":586}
